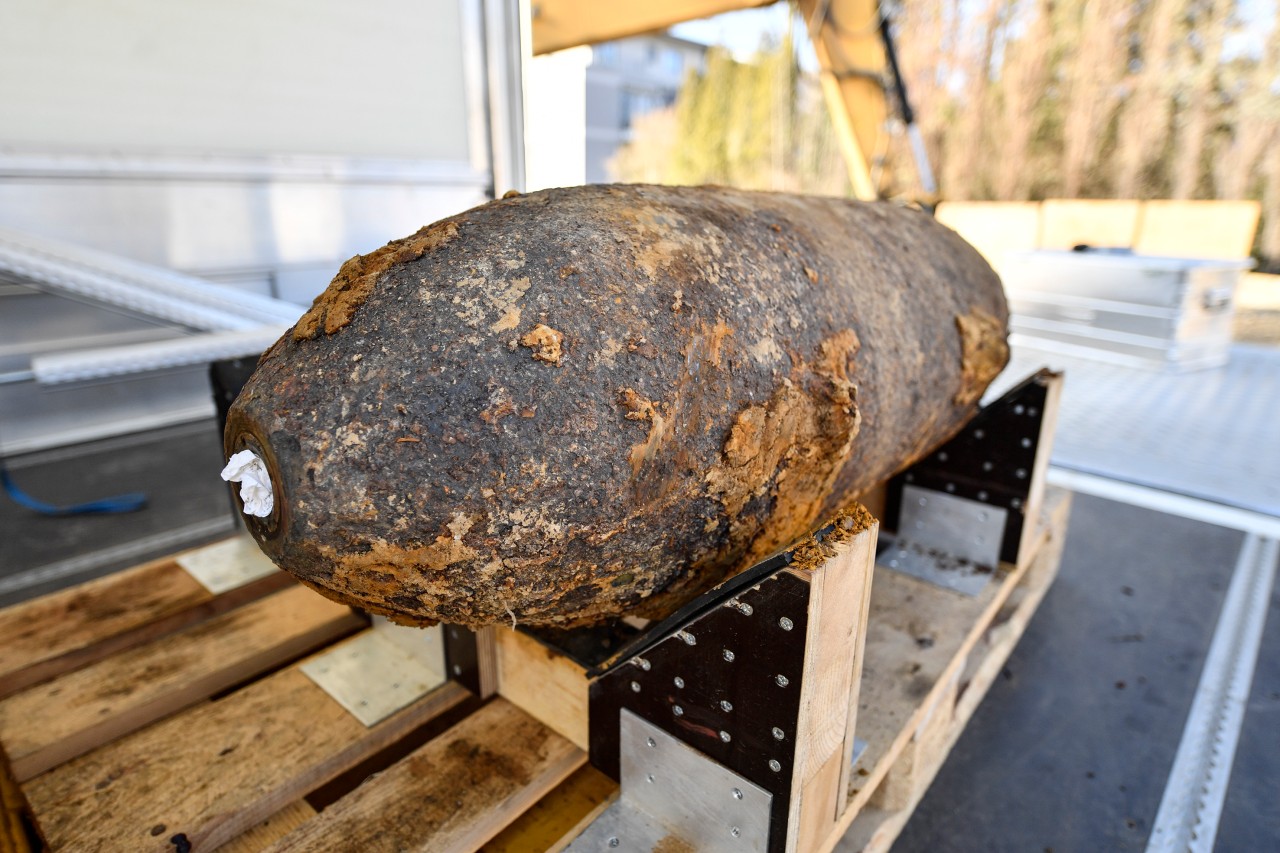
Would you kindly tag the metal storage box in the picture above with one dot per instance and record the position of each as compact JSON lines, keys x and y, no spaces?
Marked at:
{"x":1118,"y":306}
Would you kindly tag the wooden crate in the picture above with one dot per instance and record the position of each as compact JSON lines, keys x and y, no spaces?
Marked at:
{"x":209,"y":735}
{"x":142,"y":712}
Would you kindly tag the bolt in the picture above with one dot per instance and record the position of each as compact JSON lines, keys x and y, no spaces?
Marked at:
{"x":457,"y":670}
{"x":982,"y":496}
{"x":726,"y":705}
{"x":1021,"y":473}
{"x":1018,"y":409}
{"x":679,"y":682}
{"x":635,"y":687}
{"x":728,"y":655}
{"x":724,"y":736}
{"x":977,"y":433}
{"x":688,"y":638}
{"x":774,"y":765}
{"x":987,"y":466}
{"x":1015,"y":503}
{"x":782,"y":680}
{"x":786,"y":623}
{"x":778,"y":734}
{"x":942,"y":457}
{"x":1026,"y":442}
{"x":677,"y":710}
{"x":642,"y":663}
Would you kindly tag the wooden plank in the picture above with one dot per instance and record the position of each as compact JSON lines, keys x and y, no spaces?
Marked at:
{"x":454,"y":794}
{"x":125,"y":692}
{"x":215,"y":771}
{"x":1103,"y":223}
{"x":1198,"y":229}
{"x":14,"y":837}
{"x":839,"y":598}
{"x":994,"y":228}
{"x":919,"y":642}
{"x":875,"y":828}
{"x":544,"y":825}
{"x":545,"y":685}
{"x":558,"y":24}
{"x":65,"y":630}
{"x":271,"y":830}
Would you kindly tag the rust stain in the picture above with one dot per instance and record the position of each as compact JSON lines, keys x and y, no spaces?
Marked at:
{"x":673,"y":844}
{"x":546,"y":344}
{"x":984,"y":352}
{"x":333,"y":309}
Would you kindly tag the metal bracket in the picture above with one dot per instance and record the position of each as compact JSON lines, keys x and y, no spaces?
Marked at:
{"x":227,"y":565}
{"x":726,"y":681}
{"x":959,"y":512}
{"x":671,"y":792}
{"x":380,"y":671}
{"x":950,"y":541}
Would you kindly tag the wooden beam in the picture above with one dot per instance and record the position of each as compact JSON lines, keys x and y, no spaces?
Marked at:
{"x":558,"y":24}
{"x":216,"y":771}
{"x":839,"y":602}
{"x":66,"y":630}
{"x":846,"y":39}
{"x":125,"y":692}
{"x":545,"y":685}
{"x":452,"y":795}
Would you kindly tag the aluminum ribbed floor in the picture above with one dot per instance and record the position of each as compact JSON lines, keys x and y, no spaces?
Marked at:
{"x":1211,"y":434}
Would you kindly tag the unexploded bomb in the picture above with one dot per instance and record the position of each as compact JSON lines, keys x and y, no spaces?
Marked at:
{"x":567,"y":405}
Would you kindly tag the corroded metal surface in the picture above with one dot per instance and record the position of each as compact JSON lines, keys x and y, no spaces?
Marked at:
{"x":558,"y":407}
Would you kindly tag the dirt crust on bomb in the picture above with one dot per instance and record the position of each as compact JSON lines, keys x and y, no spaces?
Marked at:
{"x":569,"y":405}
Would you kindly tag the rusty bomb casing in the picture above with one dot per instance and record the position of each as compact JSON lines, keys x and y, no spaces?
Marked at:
{"x":568,"y":405}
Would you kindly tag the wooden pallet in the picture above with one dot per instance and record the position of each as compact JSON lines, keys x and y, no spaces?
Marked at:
{"x":142,"y":712}
{"x":201,"y":731}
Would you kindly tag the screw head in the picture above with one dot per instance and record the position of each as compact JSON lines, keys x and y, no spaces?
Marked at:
{"x":728,"y":655}
{"x":688,"y":638}
{"x":677,"y":710}
{"x":782,"y":680}
{"x":1021,"y":473}
{"x":942,"y":457}
{"x":725,"y":736}
{"x":635,"y":687}
{"x":650,"y":778}
{"x":642,"y":663}
{"x":786,"y":623}
{"x":726,"y":705}
{"x":651,"y":742}
{"x":778,"y":734}
{"x":678,"y":681}
{"x":457,"y":670}
{"x":977,"y":433}
{"x":614,"y":842}
{"x":1026,"y":442}
{"x":735,"y":832}
{"x":737,"y":793}
{"x":774,"y":765}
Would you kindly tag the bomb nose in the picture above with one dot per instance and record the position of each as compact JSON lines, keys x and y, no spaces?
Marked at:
{"x":255,"y":476}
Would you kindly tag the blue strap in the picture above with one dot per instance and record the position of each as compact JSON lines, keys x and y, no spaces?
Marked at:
{"x":130,"y":502}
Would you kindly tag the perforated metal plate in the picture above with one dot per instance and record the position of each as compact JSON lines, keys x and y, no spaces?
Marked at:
{"x":673,"y":793}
